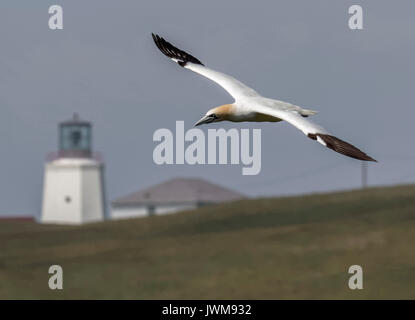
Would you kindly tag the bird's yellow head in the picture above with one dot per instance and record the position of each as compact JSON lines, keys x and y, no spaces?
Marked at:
{"x":221,"y":113}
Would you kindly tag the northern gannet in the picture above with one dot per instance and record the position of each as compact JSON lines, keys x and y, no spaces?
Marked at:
{"x":251,"y":106}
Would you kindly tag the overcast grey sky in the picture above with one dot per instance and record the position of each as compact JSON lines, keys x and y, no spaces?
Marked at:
{"x":105,"y":66}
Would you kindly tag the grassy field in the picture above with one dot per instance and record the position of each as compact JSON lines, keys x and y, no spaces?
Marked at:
{"x":294,"y":247}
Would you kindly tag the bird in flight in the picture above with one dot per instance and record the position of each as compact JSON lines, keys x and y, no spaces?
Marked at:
{"x":251,"y":106}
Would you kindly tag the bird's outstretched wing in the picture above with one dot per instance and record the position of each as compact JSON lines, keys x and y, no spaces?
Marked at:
{"x":234,"y":87}
{"x":316,"y":132}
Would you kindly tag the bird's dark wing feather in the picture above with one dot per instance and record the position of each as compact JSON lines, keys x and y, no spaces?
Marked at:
{"x":342,"y":147}
{"x":174,"y":53}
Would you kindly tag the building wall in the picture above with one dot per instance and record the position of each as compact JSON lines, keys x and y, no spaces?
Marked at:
{"x":61,"y":195}
{"x":118,"y":212}
{"x":72,"y":192}
{"x":128,"y":212}
{"x":167,"y":209}
{"x":92,"y":193}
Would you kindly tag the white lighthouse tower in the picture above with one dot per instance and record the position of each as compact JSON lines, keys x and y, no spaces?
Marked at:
{"x":73,"y":191}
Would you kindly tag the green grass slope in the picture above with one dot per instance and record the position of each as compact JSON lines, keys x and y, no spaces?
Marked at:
{"x":294,"y":247}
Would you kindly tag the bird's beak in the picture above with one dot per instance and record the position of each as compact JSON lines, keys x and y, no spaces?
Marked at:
{"x":205,"y":119}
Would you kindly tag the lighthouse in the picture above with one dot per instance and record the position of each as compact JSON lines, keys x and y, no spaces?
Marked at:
{"x":73,"y":190}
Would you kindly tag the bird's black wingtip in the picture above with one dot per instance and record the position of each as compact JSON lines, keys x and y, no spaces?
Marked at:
{"x":342,"y":147}
{"x":155,"y":37}
{"x":173,"y":52}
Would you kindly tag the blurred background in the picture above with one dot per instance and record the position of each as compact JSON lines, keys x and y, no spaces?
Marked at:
{"x":295,"y":232}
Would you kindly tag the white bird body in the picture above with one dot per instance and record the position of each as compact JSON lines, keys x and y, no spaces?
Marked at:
{"x":248,"y":103}
{"x":251,"y":106}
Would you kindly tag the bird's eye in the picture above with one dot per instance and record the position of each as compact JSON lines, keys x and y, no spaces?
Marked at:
{"x":210,"y":118}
